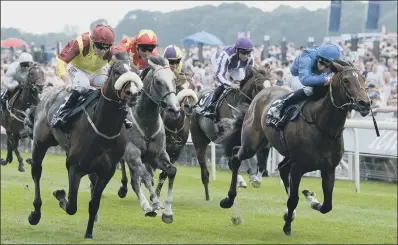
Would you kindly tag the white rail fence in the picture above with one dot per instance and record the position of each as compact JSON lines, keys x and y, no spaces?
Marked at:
{"x":348,"y":169}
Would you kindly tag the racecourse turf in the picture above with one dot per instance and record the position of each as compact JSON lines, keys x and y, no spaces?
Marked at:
{"x":367,"y":217}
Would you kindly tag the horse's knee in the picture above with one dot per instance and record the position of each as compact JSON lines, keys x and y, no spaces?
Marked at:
{"x":325,"y":209}
{"x":171,"y":170}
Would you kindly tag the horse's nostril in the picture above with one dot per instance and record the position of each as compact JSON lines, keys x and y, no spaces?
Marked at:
{"x":128,"y":93}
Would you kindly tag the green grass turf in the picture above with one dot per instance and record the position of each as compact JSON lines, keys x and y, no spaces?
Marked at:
{"x":367,"y":217}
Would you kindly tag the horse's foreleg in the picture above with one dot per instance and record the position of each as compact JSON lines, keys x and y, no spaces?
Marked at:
{"x":294,"y":183}
{"x":135,"y":184}
{"x":162,"y":179}
{"x":94,"y":203}
{"x":9,"y":148}
{"x":93,"y":179}
{"x":70,"y":205}
{"x":123,"y":189}
{"x":204,"y":172}
{"x":38,"y":153}
{"x":147,"y":179}
{"x":262,"y":157}
{"x":328,"y":178}
{"x":15,"y":145}
{"x":234,"y":164}
{"x":163,"y":162}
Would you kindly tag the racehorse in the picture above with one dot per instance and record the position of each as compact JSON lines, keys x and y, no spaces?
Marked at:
{"x":311,"y":141}
{"x":13,"y":118}
{"x":147,"y":139}
{"x":205,"y":130}
{"x":177,"y":130}
{"x":94,"y":141}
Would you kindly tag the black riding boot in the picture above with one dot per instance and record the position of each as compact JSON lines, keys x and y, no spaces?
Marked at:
{"x":296,"y":97}
{"x":209,"y":110}
{"x":4,"y":98}
{"x":65,"y":109}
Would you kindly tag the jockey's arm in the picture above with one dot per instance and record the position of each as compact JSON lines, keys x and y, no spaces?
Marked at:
{"x":222,"y":69}
{"x":305,"y":73}
{"x":68,"y":53}
{"x":9,"y":82}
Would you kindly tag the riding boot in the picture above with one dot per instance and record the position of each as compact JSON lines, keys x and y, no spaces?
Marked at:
{"x":296,"y":97}
{"x":65,"y":109}
{"x":4,"y":98}
{"x":209,"y":110}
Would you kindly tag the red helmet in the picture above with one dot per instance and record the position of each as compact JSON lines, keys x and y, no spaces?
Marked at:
{"x":103,"y":34}
{"x":146,"y":37}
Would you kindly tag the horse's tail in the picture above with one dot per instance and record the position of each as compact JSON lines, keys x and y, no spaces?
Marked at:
{"x":233,"y":128}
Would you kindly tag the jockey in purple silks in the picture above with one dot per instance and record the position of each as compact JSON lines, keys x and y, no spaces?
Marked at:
{"x":229,"y":66}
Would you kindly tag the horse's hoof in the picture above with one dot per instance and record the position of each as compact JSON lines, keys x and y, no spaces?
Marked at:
{"x":34,"y":218}
{"x":256,"y":184}
{"x":226,"y":203}
{"x":21,"y":168}
{"x":3,"y":162}
{"x":157,"y":206}
{"x":287,"y":229}
{"x":29,"y":161}
{"x":88,"y":236}
{"x":242,"y":184}
{"x":151,"y":213}
{"x":167,"y":218}
{"x":59,"y":194}
{"x":122,"y":192}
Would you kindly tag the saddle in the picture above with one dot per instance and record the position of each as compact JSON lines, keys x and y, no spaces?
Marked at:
{"x":290,"y":114}
{"x":86,"y":99}
{"x":205,"y":100}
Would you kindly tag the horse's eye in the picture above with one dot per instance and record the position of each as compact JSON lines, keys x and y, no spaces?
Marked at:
{"x":346,"y":80}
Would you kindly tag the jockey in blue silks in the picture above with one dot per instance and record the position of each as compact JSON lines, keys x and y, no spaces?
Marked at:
{"x":311,"y":69}
{"x":229,"y":66}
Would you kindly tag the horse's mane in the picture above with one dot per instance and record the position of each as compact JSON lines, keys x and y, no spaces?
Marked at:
{"x":342,"y":63}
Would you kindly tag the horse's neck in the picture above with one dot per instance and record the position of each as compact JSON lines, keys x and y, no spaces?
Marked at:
{"x":25,"y":99}
{"x":108,"y":116}
{"x":329,"y":118}
{"x":146,"y":108}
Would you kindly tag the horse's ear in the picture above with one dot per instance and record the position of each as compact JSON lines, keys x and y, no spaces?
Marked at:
{"x":152,"y":65}
{"x":336,"y":67}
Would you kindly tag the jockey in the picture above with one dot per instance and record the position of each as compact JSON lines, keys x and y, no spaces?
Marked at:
{"x":232,"y":62}
{"x":174,"y":55}
{"x":311,"y":69}
{"x":16,"y":74}
{"x":84,"y":61}
{"x":140,"y":48}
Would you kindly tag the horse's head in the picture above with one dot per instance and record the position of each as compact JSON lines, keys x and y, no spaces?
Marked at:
{"x":122,"y":84}
{"x":187,"y":99}
{"x":254,"y":81}
{"x":35,"y":79}
{"x":347,"y":89}
{"x":160,"y":87}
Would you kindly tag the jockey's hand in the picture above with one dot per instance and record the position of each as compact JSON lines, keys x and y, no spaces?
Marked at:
{"x":235,"y":86}
{"x":68,"y":87}
{"x":328,"y":80}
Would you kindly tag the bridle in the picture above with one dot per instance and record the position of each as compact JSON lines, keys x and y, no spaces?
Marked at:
{"x":119,"y":94}
{"x":352,"y":102}
{"x":160,"y":102}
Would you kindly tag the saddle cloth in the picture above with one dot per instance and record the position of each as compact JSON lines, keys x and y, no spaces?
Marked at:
{"x":83,"y":102}
{"x":291,"y":112}
{"x":205,"y":99}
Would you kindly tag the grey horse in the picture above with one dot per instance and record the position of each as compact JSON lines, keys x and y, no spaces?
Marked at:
{"x":147,"y":139}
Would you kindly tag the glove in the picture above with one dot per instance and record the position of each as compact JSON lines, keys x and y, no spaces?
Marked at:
{"x":235,"y":86}
{"x":328,"y":80}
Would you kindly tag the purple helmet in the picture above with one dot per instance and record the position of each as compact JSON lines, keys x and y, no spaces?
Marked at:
{"x":244,"y":43}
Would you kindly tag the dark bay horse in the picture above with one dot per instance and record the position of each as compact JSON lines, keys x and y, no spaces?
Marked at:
{"x":94,"y":141}
{"x":204,"y":130}
{"x":177,"y":130}
{"x":12,"y":119}
{"x":313,"y":141}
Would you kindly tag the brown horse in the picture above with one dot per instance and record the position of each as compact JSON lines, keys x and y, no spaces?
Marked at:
{"x":312,"y":142}
{"x":204,"y":130}
{"x":13,"y":119}
{"x":94,"y":141}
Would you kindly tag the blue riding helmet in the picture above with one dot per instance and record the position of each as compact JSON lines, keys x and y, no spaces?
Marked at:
{"x":329,"y":51}
{"x":244,"y":43}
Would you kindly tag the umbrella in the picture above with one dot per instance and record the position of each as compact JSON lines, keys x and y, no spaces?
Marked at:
{"x":203,"y":38}
{"x":13,"y":42}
